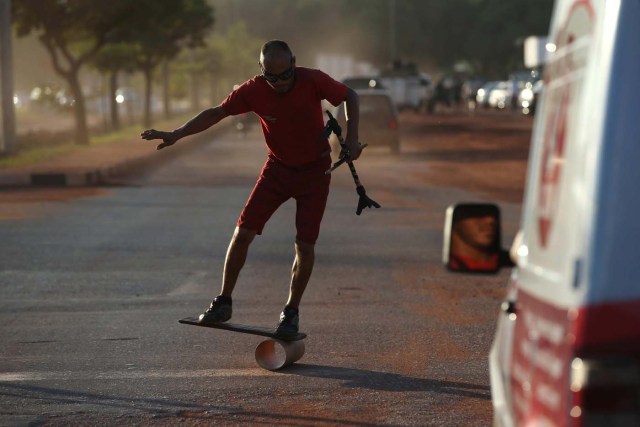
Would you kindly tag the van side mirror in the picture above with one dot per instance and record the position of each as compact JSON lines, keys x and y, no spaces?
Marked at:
{"x":472,"y":239}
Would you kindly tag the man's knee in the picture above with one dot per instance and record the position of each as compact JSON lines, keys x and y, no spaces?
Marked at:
{"x":304,"y":249}
{"x":243,"y":236}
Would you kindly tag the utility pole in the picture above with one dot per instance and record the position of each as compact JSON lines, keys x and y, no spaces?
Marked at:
{"x":393,"y":53}
{"x":7,"y":143}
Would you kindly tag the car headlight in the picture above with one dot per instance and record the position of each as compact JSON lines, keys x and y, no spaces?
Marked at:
{"x":526,"y":95}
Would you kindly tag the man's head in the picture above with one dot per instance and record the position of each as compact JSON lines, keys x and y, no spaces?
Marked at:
{"x":278,"y":65}
{"x":478,"y":232}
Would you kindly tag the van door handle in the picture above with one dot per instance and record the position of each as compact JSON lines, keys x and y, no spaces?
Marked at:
{"x":508,"y":307}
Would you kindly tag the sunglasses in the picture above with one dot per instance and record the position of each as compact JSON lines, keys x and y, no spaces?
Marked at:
{"x":272,"y":78}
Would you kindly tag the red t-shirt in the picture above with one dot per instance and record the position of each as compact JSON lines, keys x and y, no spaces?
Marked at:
{"x":295,"y":136}
{"x":464,"y":263}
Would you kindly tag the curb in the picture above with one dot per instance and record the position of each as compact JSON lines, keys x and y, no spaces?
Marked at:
{"x":100,"y":175}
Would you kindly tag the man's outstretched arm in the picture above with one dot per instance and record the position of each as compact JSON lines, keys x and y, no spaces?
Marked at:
{"x":204,"y":120}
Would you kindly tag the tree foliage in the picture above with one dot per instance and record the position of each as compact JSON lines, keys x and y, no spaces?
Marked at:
{"x":72,"y":31}
{"x":436,"y":34}
{"x":158,"y":30}
{"x":75,"y":31}
{"x":227,"y":58}
{"x":111,"y":60}
{"x":433,"y":33}
{"x":236,"y":53}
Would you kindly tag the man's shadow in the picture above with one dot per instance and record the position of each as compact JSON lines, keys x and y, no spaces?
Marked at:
{"x":385,"y":381}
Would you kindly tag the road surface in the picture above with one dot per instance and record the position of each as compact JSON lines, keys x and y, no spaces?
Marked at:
{"x":94,"y":280}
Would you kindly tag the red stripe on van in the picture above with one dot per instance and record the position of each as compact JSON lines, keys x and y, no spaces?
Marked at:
{"x":609,"y":329}
{"x":546,"y":340}
{"x":539,"y":369}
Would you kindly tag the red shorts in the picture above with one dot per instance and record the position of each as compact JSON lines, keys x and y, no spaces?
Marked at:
{"x":277,"y":183}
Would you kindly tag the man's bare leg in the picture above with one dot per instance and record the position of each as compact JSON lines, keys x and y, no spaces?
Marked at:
{"x":220,"y":309}
{"x":300,"y":272}
{"x":235,"y":259}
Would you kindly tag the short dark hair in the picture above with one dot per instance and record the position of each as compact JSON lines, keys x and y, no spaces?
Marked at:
{"x":275,"y":45}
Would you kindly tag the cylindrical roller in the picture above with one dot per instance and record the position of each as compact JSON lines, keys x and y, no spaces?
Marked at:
{"x":274,"y":354}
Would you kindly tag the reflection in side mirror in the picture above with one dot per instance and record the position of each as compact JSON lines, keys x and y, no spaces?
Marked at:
{"x":472,"y":241}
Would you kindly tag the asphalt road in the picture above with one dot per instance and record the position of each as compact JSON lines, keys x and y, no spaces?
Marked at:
{"x":93,"y":281}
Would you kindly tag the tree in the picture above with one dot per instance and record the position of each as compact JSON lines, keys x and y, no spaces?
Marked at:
{"x":72,"y":31}
{"x":75,"y":31}
{"x":159,"y":30}
{"x":234,"y":54}
{"x":497,"y":31}
{"x":435,"y":34}
{"x":110,"y":60}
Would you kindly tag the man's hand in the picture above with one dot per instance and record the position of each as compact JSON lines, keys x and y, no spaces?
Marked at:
{"x":354,"y":147}
{"x":168,"y":138}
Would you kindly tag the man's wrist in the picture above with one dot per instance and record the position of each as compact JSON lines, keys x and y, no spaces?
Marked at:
{"x":177,"y":134}
{"x":352,"y":143}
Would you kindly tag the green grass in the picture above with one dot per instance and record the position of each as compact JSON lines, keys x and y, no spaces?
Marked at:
{"x":30,"y":155}
{"x":123,"y":134}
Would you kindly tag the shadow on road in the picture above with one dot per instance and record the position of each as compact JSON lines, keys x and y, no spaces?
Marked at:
{"x":385,"y":381}
{"x":149,"y":408}
{"x":62,"y":396}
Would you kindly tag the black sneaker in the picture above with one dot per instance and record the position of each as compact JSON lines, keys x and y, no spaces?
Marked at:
{"x":289,"y":322}
{"x":219,"y":311}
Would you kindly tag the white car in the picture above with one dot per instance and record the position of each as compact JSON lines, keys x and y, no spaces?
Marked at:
{"x":528,"y":97}
{"x":482,"y":95}
{"x":500,"y":95}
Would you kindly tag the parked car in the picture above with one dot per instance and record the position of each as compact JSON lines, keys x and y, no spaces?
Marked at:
{"x":500,"y":95}
{"x":51,"y":96}
{"x":21,"y":99}
{"x":482,"y":96}
{"x":528,"y":97}
{"x":520,"y":80}
{"x":378,"y":120}
{"x":128,"y":95}
{"x":447,"y":92}
{"x":409,"y":90}
{"x":364,"y":83}
{"x":470,"y":92}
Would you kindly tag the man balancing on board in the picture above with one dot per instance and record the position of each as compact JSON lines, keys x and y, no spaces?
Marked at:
{"x":287,"y":99}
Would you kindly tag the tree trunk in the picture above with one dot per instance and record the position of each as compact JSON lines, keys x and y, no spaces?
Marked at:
{"x":195,"y":91}
{"x":166,"y":99}
{"x":79,"y":111}
{"x":148,"y":72}
{"x":213,"y":92}
{"x":113,"y":104}
{"x":8,"y":133}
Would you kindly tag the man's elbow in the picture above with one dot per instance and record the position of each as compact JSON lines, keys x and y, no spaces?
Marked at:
{"x":352,"y":96}
{"x":216,"y":114}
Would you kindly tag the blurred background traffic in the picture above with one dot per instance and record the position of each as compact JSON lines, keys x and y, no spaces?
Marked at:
{"x":82,"y":67}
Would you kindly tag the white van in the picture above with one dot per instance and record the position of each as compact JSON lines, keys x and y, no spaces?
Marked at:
{"x":567,"y":345}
